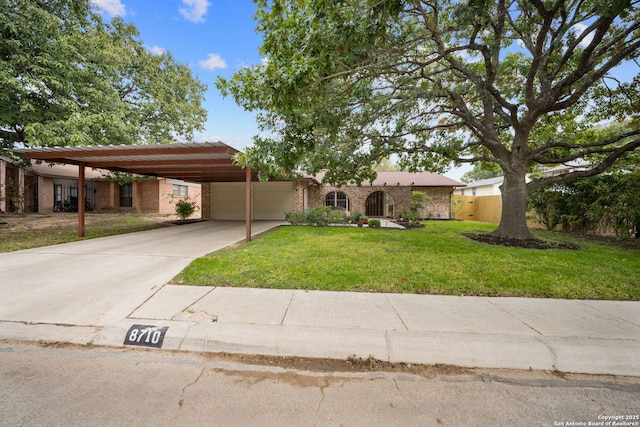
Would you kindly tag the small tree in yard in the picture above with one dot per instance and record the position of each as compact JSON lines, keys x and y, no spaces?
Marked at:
{"x":185,"y":208}
{"x":517,"y":83}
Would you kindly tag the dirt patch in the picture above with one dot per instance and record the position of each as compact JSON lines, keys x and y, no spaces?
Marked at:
{"x":68,"y":220}
{"x":352,"y":364}
{"x":521,"y":243}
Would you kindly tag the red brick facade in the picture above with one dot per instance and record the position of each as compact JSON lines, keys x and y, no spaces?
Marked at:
{"x":396,"y":198}
{"x":149,"y":196}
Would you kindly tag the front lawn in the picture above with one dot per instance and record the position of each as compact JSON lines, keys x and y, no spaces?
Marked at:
{"x":437,"y":259}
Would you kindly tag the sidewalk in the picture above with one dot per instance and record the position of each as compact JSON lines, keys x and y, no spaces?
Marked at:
{"x":593,"y":337}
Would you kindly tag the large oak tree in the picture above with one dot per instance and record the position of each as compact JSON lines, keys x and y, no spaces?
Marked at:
{"x":68,"y":78}
{"x":520,"y":83}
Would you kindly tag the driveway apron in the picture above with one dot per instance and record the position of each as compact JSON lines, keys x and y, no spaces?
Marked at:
{"x":100,"y":281}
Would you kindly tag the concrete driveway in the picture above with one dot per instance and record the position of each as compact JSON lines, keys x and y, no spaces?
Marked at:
{"x":100,"y":281}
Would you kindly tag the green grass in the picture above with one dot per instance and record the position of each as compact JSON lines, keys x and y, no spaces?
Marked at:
{"x":435,"y":260}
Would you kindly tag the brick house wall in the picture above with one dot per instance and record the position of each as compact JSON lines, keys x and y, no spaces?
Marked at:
{"x":107,"y":196}
{"x":45,"y":194}
{"x":440,"y":204}
{"x":205,"y":200}
{"x":149,"y":196}
{"x":167,"y":201}
{"x":146,"y":196}
{"x":397,"y":198}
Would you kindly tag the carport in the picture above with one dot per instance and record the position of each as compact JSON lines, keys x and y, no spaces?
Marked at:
{"x":195,"y":162}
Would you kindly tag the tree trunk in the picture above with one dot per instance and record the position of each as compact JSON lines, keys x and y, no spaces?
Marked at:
{"x":513,"y":223}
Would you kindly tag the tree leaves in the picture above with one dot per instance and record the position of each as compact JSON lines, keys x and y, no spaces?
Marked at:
{"x":70,"y":79}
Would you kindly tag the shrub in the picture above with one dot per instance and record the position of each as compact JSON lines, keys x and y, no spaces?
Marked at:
{"x":185,"y":208}
{"x":337,"y":217}
{"x":315,"y":216}
{"x":409,"y":216}
{"x":374,"y":223}
{"x":296,"y":218}
{"x":355,"y":217}
{"x":318,"y":216}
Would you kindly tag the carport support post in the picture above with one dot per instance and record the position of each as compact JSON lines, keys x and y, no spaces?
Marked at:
{"x":81,"y":199}
{"x":247,"y":213}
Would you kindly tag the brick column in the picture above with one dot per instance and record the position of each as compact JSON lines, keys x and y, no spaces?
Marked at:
{"x":45,"y":194}
{"x":3,"y":185}
{"x":21,"y":192}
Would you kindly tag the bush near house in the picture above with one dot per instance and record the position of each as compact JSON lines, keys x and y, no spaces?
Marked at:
{"x":185,"y":208}
{"x":321,"y":216}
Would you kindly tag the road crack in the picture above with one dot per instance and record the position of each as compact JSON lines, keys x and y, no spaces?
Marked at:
{"x":194,"y":382}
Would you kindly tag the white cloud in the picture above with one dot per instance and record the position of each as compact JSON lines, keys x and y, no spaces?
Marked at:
{"x":212,"y":62}
{"x":579,"y":29}
{"x":156,"y":50}
{"x":194,"y":10}
{"x":112,"y":7}
{"x":470,"y":56}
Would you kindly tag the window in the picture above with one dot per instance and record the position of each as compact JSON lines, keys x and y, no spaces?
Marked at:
{"x":179,"y":190}
{"x":57,"y":193}
{"x":337,"y":200}
{"x":126,"y":196}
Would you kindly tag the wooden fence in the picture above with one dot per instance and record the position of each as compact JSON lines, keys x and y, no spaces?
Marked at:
{"x":477,"y":208}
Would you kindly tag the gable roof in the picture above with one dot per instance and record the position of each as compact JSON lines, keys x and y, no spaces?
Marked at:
{"x":487,"y":181}
{"x":404,"y":179}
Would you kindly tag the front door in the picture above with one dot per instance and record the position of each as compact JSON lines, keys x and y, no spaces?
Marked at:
{"x":375,"y":204}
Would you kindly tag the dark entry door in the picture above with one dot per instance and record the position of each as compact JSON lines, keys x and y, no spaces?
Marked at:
{"x":126,"y":196}
{"x":375,"y":204}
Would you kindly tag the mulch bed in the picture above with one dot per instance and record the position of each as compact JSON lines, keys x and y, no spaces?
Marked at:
{"x":520,"y":243}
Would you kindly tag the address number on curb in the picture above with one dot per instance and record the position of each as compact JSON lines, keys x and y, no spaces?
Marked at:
{"x":146,"y":335}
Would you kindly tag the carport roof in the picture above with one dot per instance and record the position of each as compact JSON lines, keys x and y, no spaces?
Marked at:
{"x":195,"y":162}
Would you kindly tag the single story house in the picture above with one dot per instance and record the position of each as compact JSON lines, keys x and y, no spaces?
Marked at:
{"x":231,"y":192}
{"x":386,"y":196}
{"x":44,"y":187}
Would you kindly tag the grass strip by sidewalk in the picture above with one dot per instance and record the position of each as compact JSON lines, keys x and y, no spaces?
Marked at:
{"x":437,"y":259}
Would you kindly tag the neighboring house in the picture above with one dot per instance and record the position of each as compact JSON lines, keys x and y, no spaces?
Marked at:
{"x":44,"y":188}
{"x":482,"y":200}
{"x":387,"y":196}
{"x":491,"y":186}
{"x":483,"y":187}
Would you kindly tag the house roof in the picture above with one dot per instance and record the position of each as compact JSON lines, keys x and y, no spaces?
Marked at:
{"x":196,"y":162}
{"x":405,"y":179}
{"x":485,"y":182}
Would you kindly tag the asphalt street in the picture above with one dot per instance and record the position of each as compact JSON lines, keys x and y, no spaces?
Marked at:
{"x":67,"y":385}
